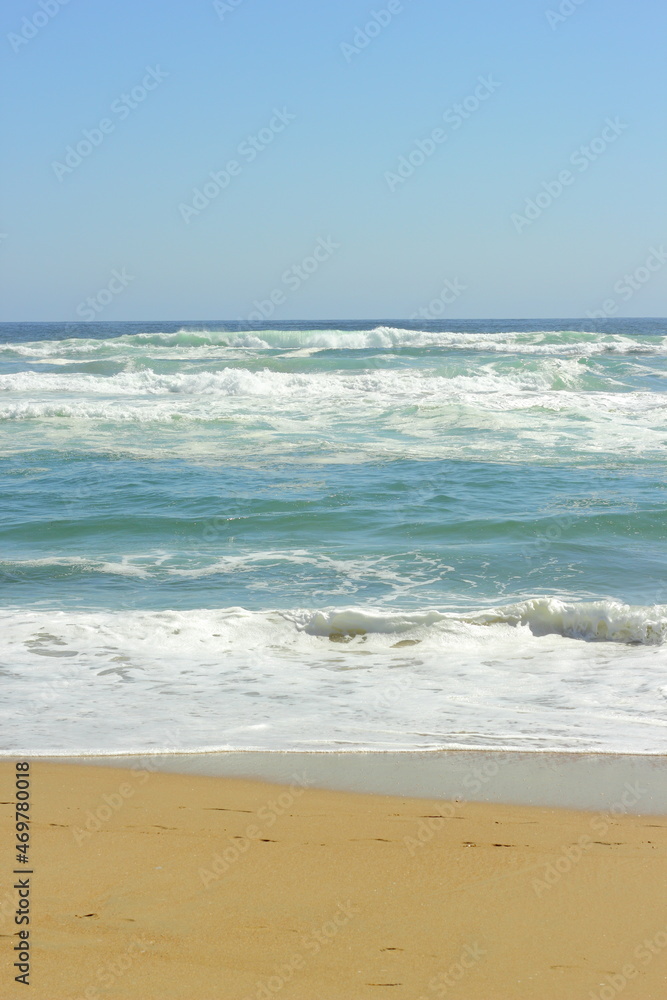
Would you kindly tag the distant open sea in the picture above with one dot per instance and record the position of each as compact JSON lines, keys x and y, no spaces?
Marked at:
{"x":346,"y":535}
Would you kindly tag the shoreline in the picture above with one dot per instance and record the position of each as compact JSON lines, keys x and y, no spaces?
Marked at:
{"x":584,"y":781}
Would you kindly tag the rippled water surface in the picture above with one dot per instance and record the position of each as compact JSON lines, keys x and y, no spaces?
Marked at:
{"x":348,"y":535}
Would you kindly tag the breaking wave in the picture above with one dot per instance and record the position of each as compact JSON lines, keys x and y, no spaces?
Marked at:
{"x":207,"y":342}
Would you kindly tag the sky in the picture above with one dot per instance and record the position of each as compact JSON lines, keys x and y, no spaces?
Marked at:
{"x":338,"y":159}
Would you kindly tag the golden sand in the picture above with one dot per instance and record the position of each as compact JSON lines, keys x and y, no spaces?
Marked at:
{"x":163,"y":886}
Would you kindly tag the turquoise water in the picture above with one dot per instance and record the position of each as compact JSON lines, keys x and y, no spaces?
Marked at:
{"x":334,"y":535}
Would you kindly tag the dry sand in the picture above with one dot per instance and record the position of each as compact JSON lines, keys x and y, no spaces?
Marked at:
{"x":158,"y":886}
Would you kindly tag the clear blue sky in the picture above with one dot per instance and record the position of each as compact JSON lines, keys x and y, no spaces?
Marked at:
{"x":457,"y":217}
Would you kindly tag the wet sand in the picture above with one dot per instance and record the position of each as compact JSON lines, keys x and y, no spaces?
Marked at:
{"x":536,"y":778}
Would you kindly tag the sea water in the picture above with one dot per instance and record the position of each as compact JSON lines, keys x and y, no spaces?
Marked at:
{"x":371,"y":535}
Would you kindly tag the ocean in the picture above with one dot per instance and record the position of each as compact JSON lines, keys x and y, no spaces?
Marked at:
{"x":379,"y":535}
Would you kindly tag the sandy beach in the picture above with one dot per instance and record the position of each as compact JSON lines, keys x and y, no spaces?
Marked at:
{"x":333,"y":520}
{"x":169,"y":887}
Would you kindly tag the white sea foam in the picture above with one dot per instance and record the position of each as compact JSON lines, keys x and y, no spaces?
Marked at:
{"x":545,"y":671}
{"x":205,"y":343}
{"x":552,"y":373}
{"x":603,"y":621}
{"x":534,"y":674}
{"x":399,"y":578}
{"x":146,"y":395}
{"x":489,"y":426}
{"x":600,"y":621}
{"x":126,"y":566}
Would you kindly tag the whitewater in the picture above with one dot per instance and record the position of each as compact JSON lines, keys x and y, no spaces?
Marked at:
{"x":332,"y":536}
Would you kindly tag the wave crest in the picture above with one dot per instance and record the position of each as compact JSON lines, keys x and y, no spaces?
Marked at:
{"x":205,"y":343}
{"x":595,"y":621}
